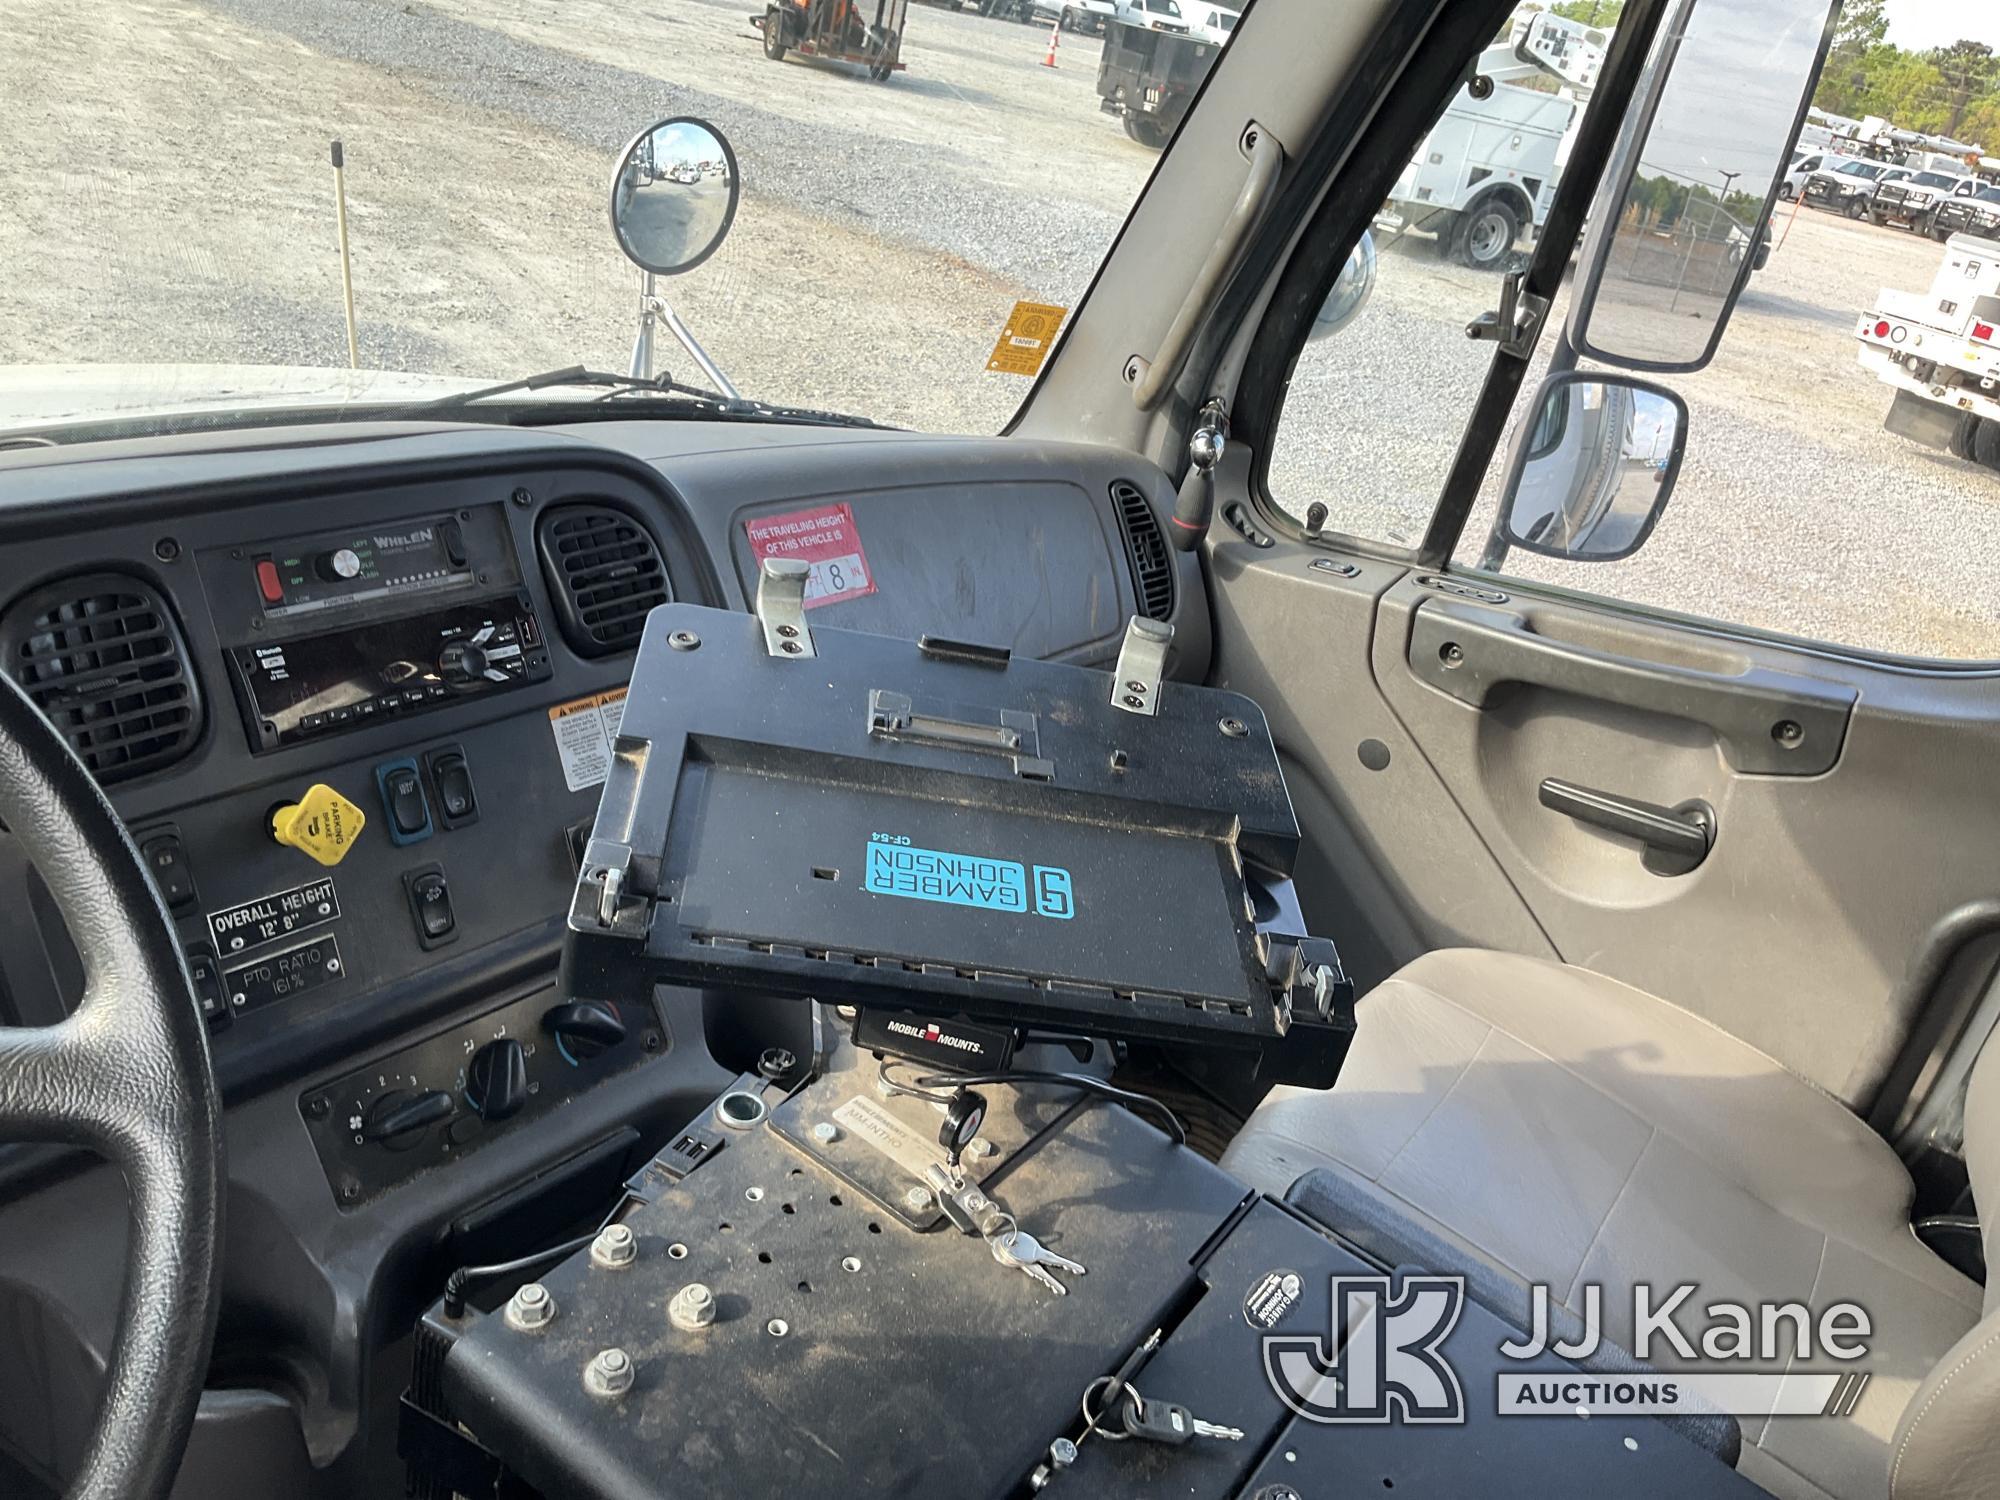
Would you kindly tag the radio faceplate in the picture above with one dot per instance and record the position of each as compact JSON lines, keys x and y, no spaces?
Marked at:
{"x":336,"y":629}
{"x":313,"y":685}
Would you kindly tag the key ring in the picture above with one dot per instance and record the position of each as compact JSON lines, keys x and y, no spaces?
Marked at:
{"x":1091,"y":1421}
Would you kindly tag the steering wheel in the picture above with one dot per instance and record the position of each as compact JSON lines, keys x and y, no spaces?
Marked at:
{"x":127,"y":1075}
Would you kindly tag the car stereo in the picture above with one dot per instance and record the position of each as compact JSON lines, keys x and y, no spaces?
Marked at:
{"x":337,"y":629}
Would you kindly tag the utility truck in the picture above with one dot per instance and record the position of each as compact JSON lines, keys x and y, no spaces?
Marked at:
{"x":1484,"y":177}
{"x":1940,"y":351}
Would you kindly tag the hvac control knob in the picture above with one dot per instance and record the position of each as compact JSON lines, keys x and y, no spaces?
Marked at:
{"x":399,"y":1117}
{"x":496,"y":1080}
{"x":584,"y":1028}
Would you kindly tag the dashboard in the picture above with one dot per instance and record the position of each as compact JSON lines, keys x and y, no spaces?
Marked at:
{"x":422,"y":635}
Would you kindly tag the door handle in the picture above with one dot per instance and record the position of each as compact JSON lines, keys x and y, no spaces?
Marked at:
{"x":1681,"y":836}
{"x":1768,"y":722}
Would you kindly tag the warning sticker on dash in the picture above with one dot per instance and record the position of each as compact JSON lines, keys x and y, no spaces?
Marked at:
{"x":584,"y":729}
{"x":827,"y":540}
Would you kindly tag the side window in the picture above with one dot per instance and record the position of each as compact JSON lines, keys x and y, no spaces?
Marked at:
{"x":1842,"y":448}
{"x":1841,"y":471}
{"x":1377,"y":405}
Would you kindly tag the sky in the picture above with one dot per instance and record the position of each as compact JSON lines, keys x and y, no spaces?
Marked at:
{"x":1918,"y":24}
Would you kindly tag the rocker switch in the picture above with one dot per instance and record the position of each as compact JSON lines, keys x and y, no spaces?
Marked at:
{"x":430,"y":905}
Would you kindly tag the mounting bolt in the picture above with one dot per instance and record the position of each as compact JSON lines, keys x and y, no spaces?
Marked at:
{"x":684,"y":640}
{"x":979,"y":1148}
{"x":1788,"y":733}
{"x":1062,"y":1453}
{"x":826,"y":1132}
{"x":530,"y":1308}
{"x":523,"y":498}
{"x":609,"y":1374}
{"x":1234,"y":728}
{"x":166,"y":549}
{"x":350,"y":1189}
{"x":316,"y":1107}
{"x":1452,"y":654}
{"x":614,"y":1247}
{"x":850,"y":1263}
{"x":693,"y":1307}
{"x":917,"y":1199}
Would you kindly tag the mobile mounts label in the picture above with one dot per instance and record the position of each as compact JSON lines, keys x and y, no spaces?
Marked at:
{"x":896,"y":867}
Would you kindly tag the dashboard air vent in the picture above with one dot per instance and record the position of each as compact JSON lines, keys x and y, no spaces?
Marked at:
{"x":102,"y":657}
{"x":1146,"y":549}
{"x":605,"y":573}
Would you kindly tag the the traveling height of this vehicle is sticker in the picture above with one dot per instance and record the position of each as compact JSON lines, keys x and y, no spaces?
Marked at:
{"x":896,"y":867}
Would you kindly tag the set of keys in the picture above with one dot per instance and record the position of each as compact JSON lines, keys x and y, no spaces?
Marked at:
{"x":974,"y":1213}
{"x":1141,"y":1417}
{"x":1017,"y":1248}
{"x":1153,"y":1421}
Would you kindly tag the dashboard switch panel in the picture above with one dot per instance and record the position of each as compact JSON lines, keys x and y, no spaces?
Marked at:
{"x":427,"y":1103}
{"x":430,"y":905}
{"x":451,"y":776}
{"x":403,"y":800}
{"x":166,"y":857}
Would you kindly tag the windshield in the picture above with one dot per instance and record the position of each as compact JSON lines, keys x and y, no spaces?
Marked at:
{"x":923,"y":202}
{"x":1934,"y":180}
{"x":1860,"y":169}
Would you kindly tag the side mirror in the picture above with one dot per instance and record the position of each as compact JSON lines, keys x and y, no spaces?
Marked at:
{"x":1351,"y":289}
{"x":673,"y":196}
{"x":1694,"y":180}
{"x":1594,"y":467}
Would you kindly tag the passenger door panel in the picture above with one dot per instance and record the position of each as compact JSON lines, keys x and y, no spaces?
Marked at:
{"x":1838,"y":845}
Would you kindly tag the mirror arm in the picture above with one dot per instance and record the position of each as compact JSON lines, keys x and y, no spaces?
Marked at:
{"x":653,"y":308}
{"x":1517,"y":325}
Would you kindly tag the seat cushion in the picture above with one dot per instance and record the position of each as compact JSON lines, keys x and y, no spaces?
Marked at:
{"x":1575,"y":1131}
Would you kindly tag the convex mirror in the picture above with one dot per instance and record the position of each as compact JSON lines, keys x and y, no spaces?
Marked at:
{"x":674,"y":195}
{"x":1593,"y":467}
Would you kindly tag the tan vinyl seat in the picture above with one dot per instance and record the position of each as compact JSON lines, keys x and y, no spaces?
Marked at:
{"x":1570,"y":1130}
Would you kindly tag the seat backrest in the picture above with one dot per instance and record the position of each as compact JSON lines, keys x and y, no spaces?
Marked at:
{"x":1948,"y":1442}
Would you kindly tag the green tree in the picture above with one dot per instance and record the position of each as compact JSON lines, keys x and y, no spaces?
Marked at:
{"x":1863,"y":28}
{"x":1966,"y":70}
{"x":1603,"y":13}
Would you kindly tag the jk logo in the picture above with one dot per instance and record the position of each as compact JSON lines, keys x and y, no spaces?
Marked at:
{"x":1382,"y":1362}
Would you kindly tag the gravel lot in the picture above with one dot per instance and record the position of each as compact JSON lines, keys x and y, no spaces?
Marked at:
{"x":177,"y":206}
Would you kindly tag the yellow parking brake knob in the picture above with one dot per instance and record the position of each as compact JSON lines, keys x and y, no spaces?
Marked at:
{"x":322,"y":823}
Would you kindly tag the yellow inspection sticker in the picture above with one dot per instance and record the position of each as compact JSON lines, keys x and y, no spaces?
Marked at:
{"x":1026,"y":340}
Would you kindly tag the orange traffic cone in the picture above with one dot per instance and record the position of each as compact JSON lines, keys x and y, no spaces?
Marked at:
{"x":1054,"y":31}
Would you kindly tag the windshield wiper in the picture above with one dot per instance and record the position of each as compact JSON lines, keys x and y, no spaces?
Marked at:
{"x":631,"y":385}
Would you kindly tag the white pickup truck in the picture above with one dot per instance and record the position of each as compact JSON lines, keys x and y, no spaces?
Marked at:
{"x":1940,"y":351}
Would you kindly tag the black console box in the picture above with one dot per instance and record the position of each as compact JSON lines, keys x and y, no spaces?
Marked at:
{"x":853,"y":1355}
{"x":942,"y":831}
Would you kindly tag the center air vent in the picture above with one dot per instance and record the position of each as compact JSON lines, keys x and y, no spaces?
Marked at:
{"x":604,"y":571}
{"x":102,"y":657}
{"x":1146,"y":550}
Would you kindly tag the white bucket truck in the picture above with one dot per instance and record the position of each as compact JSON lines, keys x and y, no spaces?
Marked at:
{"x":1485,"y":175}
